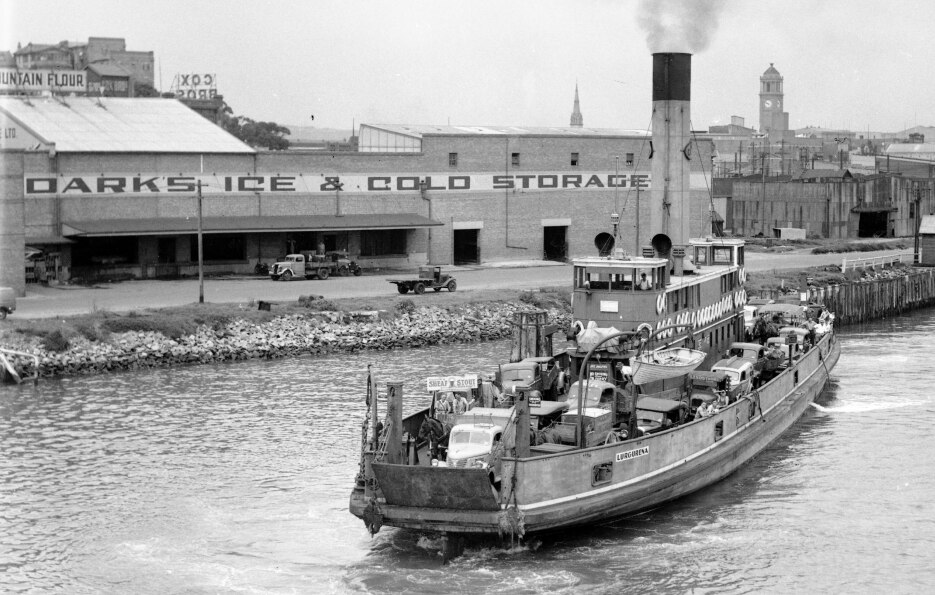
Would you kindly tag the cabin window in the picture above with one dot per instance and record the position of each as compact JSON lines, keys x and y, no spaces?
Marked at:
{"x":722,"y":254}
{"x":739,"y":255}
{"x":795,"y":377}
{"x":701,"y":256}
{"x":718,"y":430}
{"x":602,"y":473}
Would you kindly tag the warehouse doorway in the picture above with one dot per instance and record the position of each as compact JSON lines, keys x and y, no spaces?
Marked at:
{"x":873,"y":224}
{"x":466,"y":246}
{"x":554,"y":243}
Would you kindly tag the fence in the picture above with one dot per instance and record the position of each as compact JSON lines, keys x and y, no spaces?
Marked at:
{"x":866,"y":300}
{"x":862,"y":263}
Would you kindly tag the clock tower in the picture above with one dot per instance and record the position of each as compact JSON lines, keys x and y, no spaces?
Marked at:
{"x":772,"y":118}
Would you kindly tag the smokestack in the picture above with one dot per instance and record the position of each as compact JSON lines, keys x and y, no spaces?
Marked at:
{"x":669,"y":215}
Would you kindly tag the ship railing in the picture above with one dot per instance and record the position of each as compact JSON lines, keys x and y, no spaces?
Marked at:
{"x":874,"y":261}
{"x":6,"y":363}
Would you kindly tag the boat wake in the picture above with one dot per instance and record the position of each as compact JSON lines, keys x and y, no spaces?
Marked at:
{"x":863,"y":407}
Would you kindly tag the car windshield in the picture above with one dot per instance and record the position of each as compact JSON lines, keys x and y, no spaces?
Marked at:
{"x":468,"y":437}
{"x":592,"y":395}
{"x":654,"y":416}
{"x":517,"y":374}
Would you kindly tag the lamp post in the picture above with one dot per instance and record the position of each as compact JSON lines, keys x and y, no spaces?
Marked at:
{"x":423,"y":191}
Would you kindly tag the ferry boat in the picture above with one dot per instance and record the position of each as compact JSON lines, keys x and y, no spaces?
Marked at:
{"x":616,"y":443}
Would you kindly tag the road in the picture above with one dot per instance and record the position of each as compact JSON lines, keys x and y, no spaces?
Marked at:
{"x":46,"y":302}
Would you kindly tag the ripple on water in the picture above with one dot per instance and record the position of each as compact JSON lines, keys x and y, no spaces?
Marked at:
{"x":237,"y":477}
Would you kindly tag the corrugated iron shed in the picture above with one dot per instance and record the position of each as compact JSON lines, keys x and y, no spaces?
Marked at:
{"x":120,"y":125}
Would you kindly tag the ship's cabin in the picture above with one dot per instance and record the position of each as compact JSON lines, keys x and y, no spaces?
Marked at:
{"x":708,"y":252}
{"x":616,"y":275}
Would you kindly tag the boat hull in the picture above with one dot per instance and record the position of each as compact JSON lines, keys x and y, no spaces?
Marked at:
{"x":551,"y":491}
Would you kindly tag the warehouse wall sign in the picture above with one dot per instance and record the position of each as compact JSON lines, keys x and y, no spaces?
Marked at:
{"x":122,"y":184}
{"x":66,"y":81}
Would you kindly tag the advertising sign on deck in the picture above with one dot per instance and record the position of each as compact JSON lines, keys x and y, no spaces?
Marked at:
{"x":435,"y":383}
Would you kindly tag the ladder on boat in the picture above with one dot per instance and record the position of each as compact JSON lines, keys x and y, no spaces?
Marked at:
{"x":8,"y":369}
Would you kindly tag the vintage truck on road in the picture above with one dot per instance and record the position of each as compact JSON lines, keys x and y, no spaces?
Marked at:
{"x":311,"y":265}
{"x":430,"y":277}
{"x":298,"y":266}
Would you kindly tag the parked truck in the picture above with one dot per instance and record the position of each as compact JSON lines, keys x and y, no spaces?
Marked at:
{"x":430,"y":277}
{"x":307,"y":265}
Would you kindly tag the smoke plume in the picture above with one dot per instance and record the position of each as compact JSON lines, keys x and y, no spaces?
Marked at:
{"x":679,"y":25}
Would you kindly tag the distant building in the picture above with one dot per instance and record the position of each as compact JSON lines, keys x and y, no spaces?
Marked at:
{"x":111,"y":69}
{"x":577,"y":120}
{"x":772,"y":118}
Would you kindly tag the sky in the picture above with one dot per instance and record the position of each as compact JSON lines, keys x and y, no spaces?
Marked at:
{"x":856,"y":64}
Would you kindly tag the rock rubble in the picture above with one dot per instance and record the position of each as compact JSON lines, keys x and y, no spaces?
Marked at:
{"x":287,"y":335}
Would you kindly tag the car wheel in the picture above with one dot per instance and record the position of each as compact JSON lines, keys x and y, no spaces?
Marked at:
{"x":452,"y":285}
{"x":402,"y":288}
{"x":419,"y":288}
{"x":323,"y":273}
{"x":2,"y":313}
{"x":286,"y":276}
{"x":343,"y":271}
{"x":358,"y":271}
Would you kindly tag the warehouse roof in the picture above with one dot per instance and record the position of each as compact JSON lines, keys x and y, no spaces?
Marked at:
{"x":420,"y":130}
{"x":119,"y":125}
{"x":136,"y":227}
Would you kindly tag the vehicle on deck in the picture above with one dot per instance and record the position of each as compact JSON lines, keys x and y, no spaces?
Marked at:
{"x":545,"y":374}
{"x":741,"y":373}
{"x":655,"y":415}
{"x":430,"y":277}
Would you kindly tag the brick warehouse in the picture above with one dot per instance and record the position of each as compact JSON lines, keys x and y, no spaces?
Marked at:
{"x":108,"y":187}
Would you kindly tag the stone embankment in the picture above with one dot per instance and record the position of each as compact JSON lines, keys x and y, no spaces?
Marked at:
{"x":288,"y":335}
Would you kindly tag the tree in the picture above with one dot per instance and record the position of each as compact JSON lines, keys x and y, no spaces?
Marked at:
{"x":266,"y":135}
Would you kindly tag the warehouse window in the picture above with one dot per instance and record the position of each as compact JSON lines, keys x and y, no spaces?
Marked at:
{"x":515,"y":159}
{"x":630,"y":159}
{"x":220,"y":247}
{"x":574,"y":159}
{"x":382,"y":242}
{"x":453,"y":159}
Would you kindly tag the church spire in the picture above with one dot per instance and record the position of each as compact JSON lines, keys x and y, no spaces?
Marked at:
{"x":577,"y":120}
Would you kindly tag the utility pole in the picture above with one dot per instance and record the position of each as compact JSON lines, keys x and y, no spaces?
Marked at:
{"x":423,"y":191}
{"x":201,"y":272}
{"x":915,"y":251}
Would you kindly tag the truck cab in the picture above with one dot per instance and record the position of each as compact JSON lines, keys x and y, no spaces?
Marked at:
{"x":741,"y":373}
{"x":656,"y":415}
{"x":545,"y":374}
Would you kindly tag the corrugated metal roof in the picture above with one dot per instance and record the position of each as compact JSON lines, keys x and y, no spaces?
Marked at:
{"x":420,"y":130}
{"x":120,"y":125}
{"x":896,"y":148}
{"x":116,"y":227}
{"x":108,"y":69}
